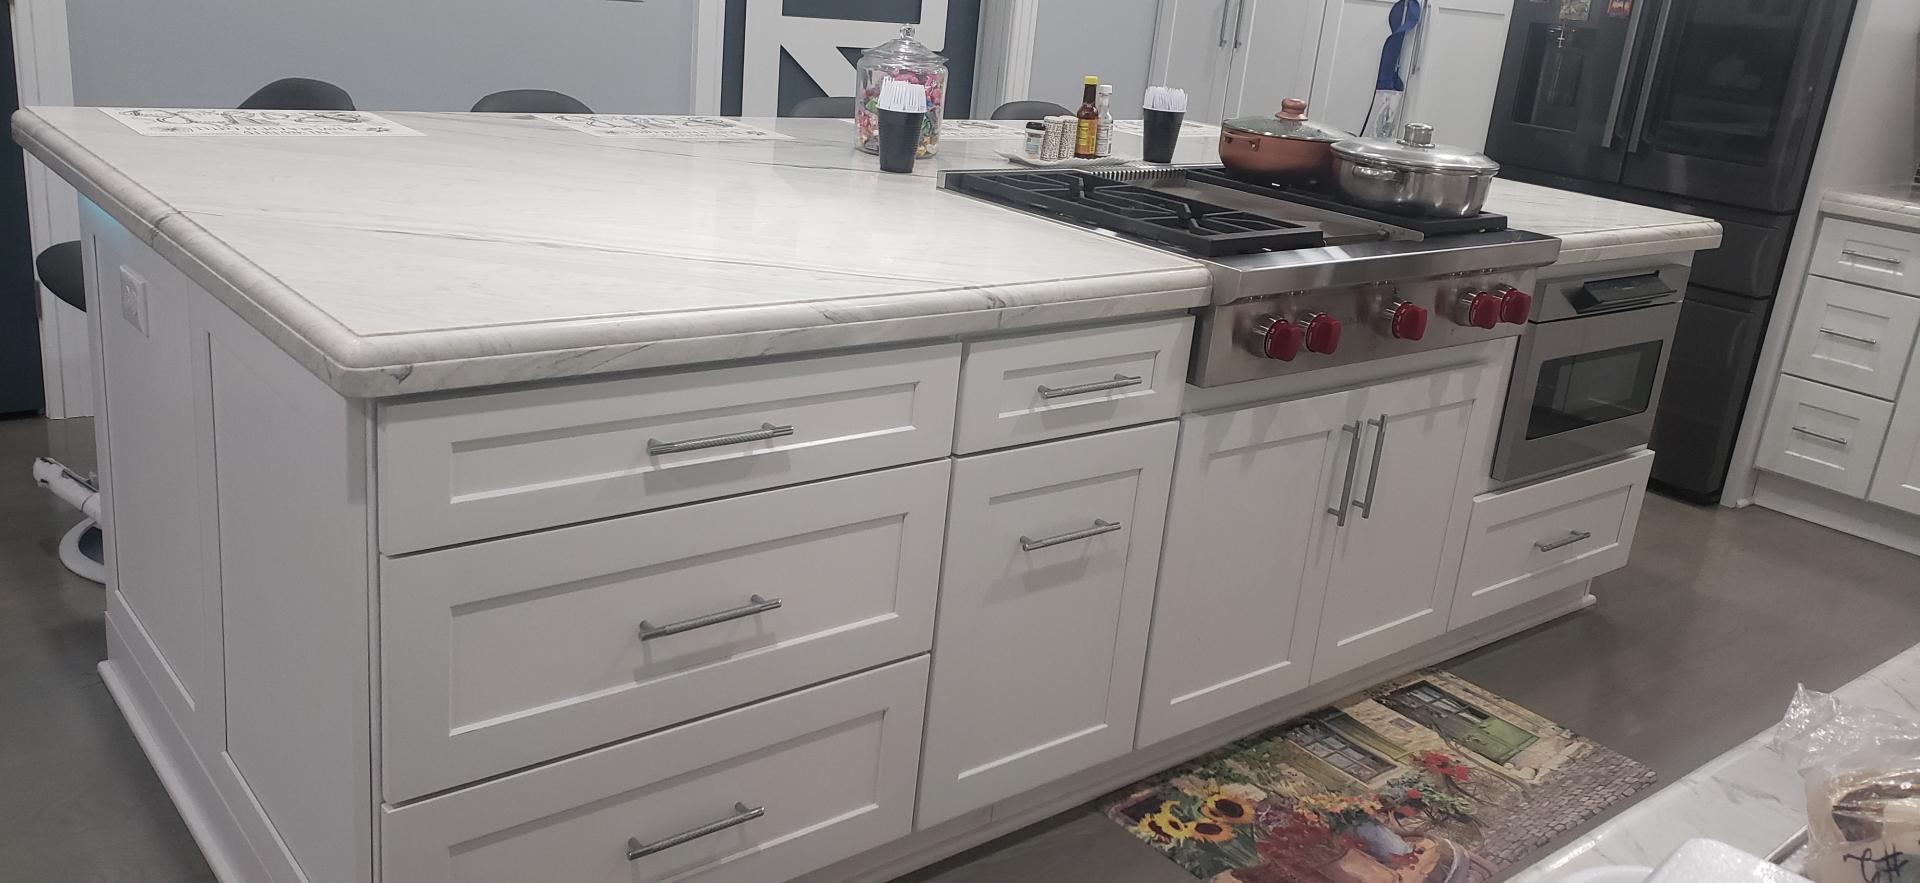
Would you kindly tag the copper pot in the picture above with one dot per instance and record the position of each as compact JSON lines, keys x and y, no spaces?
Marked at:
{"x":1286,"y":147}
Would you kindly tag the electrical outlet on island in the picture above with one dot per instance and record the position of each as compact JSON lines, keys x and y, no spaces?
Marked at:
{"x":133,"y":299}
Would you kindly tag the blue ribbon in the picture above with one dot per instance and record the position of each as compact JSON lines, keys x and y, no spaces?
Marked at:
{"x":1402,"y":18}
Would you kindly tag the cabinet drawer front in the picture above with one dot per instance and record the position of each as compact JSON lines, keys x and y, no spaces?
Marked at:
{"x":1824,"y":436}
{"x":1867,"y":255}
{"x":831,"y":768}
{"x":471,"y":467}
{"x":1046,"y":386}
{"x":1533,"y":541}
{"x":505,"y":654}
{"x":1852,"y":337}
{"x":1044,"y":601}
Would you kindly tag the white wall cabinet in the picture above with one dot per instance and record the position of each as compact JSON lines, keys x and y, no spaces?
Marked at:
{"x":1052,"y":552}
{"x":1240,"y":57}
{"x":1280,"y":572}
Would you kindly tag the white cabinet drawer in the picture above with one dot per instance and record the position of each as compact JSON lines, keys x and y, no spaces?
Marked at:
{"x":1044,"y":602}
{"x":1824,"y":436}
{"x":501,"y":655}
{"x":1878,"y":256}
{"x":1852,"y":337}
{"x":1047,"y":386}
{"x":831,"y":768}
{"x":1533,"y":541}
{"x":465,"y":468}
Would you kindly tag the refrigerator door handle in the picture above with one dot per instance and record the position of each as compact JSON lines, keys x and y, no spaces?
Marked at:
{"x":1646,"y":86}
{"x":1620,"y":76}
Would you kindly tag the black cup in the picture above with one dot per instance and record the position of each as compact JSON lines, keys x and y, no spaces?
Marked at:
{"x":899,"y":139}
{"x":1161,"y":134}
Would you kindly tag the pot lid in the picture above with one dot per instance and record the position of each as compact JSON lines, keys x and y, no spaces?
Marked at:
{"x":905,"y":50}
{"x":1415,"y":150}
{"x":1290,"y":122}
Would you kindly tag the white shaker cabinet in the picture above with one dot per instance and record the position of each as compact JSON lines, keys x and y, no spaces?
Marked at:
{"x":1242,"y":575}
{"x":1044,"y":602}
{"x":1395,"y":560}
{"x":1896,"y":482}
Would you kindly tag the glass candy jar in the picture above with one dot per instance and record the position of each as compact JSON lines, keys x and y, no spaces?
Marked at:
{"x":901,"y":58}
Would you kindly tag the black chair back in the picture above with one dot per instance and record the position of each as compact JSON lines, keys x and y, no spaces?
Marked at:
{"x":299,"y":93}
{"x":530,"y":101}
{"x":1029,"y":110}
{"x":829,"y":108}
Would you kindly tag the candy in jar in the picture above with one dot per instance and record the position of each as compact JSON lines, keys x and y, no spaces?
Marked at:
{"x":901,"y":58}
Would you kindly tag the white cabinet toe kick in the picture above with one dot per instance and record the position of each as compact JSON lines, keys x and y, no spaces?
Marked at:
{"x":835,"y":615}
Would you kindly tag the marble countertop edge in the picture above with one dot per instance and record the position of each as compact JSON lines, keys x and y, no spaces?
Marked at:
{"x":1893,"y":207}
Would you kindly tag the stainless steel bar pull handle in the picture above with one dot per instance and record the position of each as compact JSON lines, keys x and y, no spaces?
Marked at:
{"x":1353,"y":466}
{"x":755,"y":605}
{"x":1869,"y":341}
{"x":1373,"y":476}
{"x":1568,"y":540}
{"x":1872,"y":257}
{"x":1119,"y":381}
{"x":1226,"y":16}
{"x":742,"y":815}
{"x":766,"y":431}
{"x":1620,"y":76}
{"x":1100,"y":526}
{"x":1821,"y":436}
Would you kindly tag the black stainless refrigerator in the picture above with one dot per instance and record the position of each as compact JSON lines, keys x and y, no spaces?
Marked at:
{"x":1709,"y":107}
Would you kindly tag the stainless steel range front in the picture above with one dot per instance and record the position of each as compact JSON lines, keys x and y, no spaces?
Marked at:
{"x":1301,"y":281}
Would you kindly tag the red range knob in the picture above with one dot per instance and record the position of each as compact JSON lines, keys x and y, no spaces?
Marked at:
{"x":1279,"y":338}
{"x":1516,"y":306}
{"x":1407,"y":321}
{"x":1323,"y":333}
{"x":1480,"y":309}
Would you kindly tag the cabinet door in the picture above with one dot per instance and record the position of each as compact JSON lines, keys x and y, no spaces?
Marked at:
{"x":1454,"y":68}
{"x":1826,"y":436}
{"x":1896,"y":482}
{"x":1852,"y":337}
{"x":1193,"y":49}
{"x":1045,"y":595}
{"x":1347,"y":64}
{"x":1241,"y":579}
{"x":1274,"y":55}
{"x":1395,"y":562}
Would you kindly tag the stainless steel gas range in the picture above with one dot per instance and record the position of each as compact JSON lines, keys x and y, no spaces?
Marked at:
{"x":1301,"y":282}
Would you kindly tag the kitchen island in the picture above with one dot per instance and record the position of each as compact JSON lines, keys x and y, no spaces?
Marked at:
{"x":507,"y":503}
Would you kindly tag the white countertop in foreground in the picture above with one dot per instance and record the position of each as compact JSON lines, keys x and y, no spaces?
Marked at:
{"x":499,"y":248}
{"x":1750,"y":797}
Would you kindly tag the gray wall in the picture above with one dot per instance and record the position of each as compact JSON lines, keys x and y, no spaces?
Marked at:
{"x":1109,"y":39}
{"x":389,"y":54}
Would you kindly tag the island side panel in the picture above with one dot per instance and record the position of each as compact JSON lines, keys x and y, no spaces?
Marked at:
{"x":271,"y":762}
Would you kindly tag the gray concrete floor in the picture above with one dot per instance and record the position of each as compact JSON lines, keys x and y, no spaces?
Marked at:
{"x":1694,"y":647}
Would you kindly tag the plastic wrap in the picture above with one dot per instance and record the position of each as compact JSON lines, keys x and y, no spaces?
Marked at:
{"x":1862,"y":772}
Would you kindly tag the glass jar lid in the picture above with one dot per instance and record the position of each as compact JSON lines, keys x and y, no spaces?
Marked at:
{"x":1290,"y":122}
{"x":1415,"y":150}
{"x":904,"y":51}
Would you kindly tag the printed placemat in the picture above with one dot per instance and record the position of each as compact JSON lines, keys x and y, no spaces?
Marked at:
{"x":662,"y":128}
{"x":165,"y":121}
{"x":1424,"y":779}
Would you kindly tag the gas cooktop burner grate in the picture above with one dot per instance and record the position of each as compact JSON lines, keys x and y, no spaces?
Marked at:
{"x":1192,"y":225}
{"x":1484,"y":222}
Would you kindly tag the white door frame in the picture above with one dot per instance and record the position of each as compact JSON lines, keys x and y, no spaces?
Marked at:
{"x":44,"y":70}
{"x":709,"y":54}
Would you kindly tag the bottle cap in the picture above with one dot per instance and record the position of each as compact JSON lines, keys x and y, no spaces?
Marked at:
{"x":1106,"y":90}
{"x":1093,"y":81}
{"x":1036,"y":124}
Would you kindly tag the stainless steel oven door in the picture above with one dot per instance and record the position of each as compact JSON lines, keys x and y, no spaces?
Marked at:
{"x":1583,"y":390}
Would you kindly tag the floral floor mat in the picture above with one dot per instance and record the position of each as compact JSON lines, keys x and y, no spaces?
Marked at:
{"x":1425,"y":779}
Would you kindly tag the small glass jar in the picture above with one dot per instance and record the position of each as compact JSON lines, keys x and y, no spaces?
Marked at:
{"x":901,"y":58}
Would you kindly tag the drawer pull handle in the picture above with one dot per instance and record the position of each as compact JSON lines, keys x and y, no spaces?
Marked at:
{"x":1353,"y":465}
{"x":756,"y":605}
{"x":1119,"y":381}
{"x":742,"y":814}
{"x":766,"y":431}
{"x":1869,"y":341}
{"x":1821,"y":436}
{"x":1563,"y":542}
{"x":1100,"y":526}
{"x":1373,"y":477}
{"x":1872,"y":257}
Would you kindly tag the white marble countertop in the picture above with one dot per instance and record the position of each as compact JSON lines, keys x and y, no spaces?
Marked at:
{"x":1750,"y":797}
{"x":501,"y":248}
{"x":1892,"y":206}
